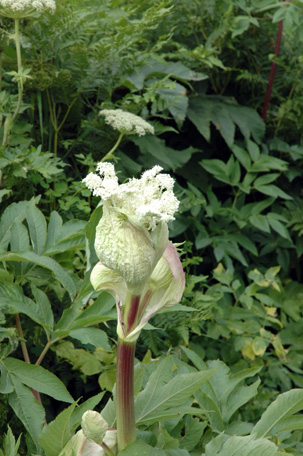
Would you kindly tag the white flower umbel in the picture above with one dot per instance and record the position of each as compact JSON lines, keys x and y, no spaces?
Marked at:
{"x":126,"y":122}
{"x":17,"y":9}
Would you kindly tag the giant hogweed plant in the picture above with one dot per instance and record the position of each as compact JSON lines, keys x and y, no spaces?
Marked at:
{"x":141,"y":269}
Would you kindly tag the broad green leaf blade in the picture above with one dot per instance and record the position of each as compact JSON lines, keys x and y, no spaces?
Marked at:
{"x":19,"y":237}
{"x":37,"y":228}
{"x":38,"y":378}
{"x":56,"y":434}
{"x":92,"y":336}
{"x":14,"y":212}
{"x":46,"y":262}
{"x":223,"y":122}
{"x":242,"y":446}
{"x":286,"y":405}
{"x":54,"y":229}
{"x":13,"y":300}
{"x":173,"y":394}
{"x":44,"y":306}
{"x":27,"y":409}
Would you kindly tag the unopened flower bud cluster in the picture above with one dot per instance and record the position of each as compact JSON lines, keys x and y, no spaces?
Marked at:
{"x":149,"y":200}
{"x":126,"y":122}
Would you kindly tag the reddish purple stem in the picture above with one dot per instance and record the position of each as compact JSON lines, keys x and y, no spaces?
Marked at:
{"x":272,"y":71}
{"x":132,"y":314}
{"x":125,"y":394}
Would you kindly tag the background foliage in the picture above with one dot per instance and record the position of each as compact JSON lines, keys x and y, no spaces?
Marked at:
{"x":198,"y":72}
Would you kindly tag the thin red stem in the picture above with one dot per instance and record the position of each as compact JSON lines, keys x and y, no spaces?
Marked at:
{"x":272,"y":71}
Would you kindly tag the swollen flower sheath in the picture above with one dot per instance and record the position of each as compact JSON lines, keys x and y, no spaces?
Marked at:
{"x":138,"y":265}
{"x":132,"y":233}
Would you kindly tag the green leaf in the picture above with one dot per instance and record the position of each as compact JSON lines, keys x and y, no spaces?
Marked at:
{"x":277,"y":226}
{"x":37,"y":228}
{"x":151,"y":403}
{"x":10,"y":446}
{"x":242,"y":156}
{"x":224,"y":393}
{"x":272,"y":190}
{"x":223,"y":122}
{"x":286,"y":405}
{"x":14,"y":212}
{"x":46,"y":318}
{"x":19,"y":237}
{"x":260,"y":222}
{"x":140,"y":448}
{"x":56,"y":434}
{"x":200,"y":114}
{"x":45,"y":262}
{"x":38,"y":378}
{"x":92,"y":336}
{"x":245,"y":446}
{"x":168,"y":158}
{"x":27,"y":409}
{"x":54,"y":229}
{"x":266,"y":179}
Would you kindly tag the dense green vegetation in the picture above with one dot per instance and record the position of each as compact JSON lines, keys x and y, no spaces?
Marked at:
{"x":198,"y":72}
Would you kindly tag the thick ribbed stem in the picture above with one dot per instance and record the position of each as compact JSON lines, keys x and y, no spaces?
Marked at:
{"x":125,"y":394}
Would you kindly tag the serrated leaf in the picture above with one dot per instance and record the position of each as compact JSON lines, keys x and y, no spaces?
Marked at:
{"x":45,"y":262}
{"x":286,"y":405}
{"x":27,"y":409}
{"x":245,"y":446}
{"x":38,"y":378}
{"x":172,"y":394}
{"x":56,"y":434}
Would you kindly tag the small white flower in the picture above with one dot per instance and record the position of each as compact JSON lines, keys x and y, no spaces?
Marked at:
{"x":150,"y":199}
{"x":126,"y":122}
{"x":17,"y":9}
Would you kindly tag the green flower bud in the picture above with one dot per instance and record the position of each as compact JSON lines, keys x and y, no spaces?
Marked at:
{"x":127,"y":248}
{"x":94,"y":426}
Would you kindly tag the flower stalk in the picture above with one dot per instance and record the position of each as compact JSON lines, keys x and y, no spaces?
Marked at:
{"x":125,"y":394}
{"x":10,"y":120}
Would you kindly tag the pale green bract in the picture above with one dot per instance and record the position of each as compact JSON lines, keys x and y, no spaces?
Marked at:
{"x":94,"y":426}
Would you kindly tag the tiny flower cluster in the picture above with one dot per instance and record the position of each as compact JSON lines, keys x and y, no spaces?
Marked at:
{"x":23,"y":8}
{"x":149,"y":200}
{"x":126,"y":122}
